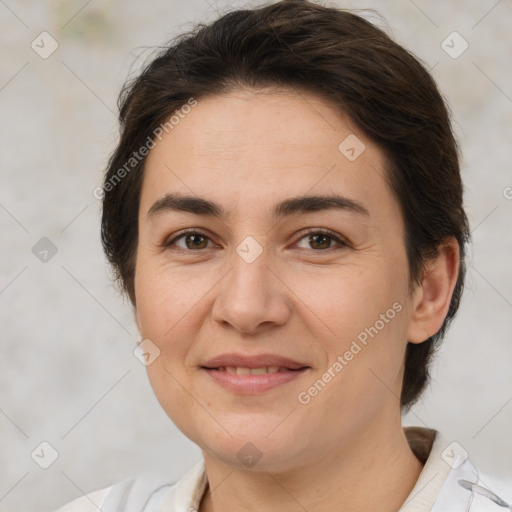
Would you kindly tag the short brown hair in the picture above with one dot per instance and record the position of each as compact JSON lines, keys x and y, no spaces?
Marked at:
{"x":356,"y":66}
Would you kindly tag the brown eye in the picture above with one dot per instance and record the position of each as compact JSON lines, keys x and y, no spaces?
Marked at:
{"x":193,"y":240}
{"x":196,"y":241}
{"x":320,"y":240}
{"x":323,"y":241}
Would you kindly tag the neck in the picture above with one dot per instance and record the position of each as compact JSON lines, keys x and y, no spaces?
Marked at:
{"x":376,"y":472}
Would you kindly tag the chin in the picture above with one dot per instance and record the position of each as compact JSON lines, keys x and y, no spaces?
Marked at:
{"x":255,"y":444}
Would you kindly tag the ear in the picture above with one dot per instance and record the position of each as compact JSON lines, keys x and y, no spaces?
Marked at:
{"x":433,"y":296}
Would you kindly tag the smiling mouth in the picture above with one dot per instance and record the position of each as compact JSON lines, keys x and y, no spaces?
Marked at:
{"x":241,"y":370}
{"x":242,"y":380}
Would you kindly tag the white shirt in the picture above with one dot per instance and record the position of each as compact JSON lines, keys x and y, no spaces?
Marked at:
{"x":449,"y":482}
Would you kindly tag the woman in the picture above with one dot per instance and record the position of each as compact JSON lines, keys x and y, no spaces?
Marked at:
{"x":284,"y":210}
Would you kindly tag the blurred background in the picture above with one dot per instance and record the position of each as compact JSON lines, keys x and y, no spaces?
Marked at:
{"x":76,"y":410}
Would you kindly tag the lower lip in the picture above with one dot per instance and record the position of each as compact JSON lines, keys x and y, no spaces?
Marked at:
{"x":252,"y":384}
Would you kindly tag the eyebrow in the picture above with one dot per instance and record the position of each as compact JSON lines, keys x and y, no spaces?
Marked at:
{"x":288,"y":207}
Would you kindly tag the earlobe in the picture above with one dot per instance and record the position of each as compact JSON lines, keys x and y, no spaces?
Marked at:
{"x":433,"y":296}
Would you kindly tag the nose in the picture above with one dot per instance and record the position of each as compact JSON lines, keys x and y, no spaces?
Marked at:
{"x":252,"y":297}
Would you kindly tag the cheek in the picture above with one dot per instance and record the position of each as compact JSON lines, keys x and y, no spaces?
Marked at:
{"x":164,"y":297}
{"x":171,"y":307}
{"x":344,"y":301}
{"x":361,"y":316}
{"x":363,"y":374}
{"x":165,"y":316}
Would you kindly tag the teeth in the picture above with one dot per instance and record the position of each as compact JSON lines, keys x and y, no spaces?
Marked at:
{"x":259,"y":371}
{"x":251,"y":371}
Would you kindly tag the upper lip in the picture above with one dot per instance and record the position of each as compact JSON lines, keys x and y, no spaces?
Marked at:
{"x":254,"y":361}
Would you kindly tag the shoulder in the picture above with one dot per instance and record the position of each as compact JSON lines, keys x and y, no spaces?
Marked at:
{"x":450,"y":481}
{"x":467,"y":488}
{"x":91,"y":502}
{"x":146,"y":493}
{"x":489,"y":493}
{"x":131,"y":495}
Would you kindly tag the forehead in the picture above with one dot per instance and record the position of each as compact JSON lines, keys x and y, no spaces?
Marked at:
{"x":248,"y":147}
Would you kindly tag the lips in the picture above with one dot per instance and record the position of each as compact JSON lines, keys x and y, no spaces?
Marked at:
{"x":259,"y":362}
{"x":242,"y":370}
{"x":253,"y":375}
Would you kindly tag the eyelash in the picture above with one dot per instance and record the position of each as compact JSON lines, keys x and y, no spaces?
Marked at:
{"x":310,"y":231}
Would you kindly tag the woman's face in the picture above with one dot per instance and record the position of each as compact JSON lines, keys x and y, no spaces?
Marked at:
{"x":252,"y":281}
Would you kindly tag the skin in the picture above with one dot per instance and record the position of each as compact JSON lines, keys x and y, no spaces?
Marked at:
{"x":302,"y":299}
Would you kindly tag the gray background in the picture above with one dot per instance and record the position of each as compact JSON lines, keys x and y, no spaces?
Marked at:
{"x":67,"y":372}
